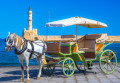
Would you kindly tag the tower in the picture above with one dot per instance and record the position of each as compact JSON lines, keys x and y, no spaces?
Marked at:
{"x":29,"y":18}
{"x":30,"y":34}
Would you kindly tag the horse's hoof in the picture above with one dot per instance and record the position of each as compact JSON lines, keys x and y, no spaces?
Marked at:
{"x":28,"y":80}
{"x":38,"y":78}
{"x":21,"y":80}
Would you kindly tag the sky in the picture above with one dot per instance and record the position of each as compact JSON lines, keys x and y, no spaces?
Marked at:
{"x":14,"y":16}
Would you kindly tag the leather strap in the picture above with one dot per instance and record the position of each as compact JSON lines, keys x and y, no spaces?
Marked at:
{"x":23,"y":49}
{"x":31,"y":53}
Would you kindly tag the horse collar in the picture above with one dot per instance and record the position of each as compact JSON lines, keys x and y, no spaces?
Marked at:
{"x":23,"y":49}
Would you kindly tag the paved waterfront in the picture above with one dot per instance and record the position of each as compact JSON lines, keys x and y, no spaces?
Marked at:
{"x":13,"y":74}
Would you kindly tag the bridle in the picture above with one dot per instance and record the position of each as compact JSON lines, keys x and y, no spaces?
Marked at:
{"x":12,"y":42}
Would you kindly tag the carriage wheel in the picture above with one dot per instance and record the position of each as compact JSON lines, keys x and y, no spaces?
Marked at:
{"x":80,"y":66}
{"x":68,"y":67}
{"x":48,"y":69}
{"x":108,"y":61}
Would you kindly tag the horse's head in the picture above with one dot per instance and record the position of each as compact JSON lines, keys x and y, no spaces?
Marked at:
{"x":10,"y":42}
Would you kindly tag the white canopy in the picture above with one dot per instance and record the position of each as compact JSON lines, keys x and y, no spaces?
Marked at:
{"x":76,"y":21}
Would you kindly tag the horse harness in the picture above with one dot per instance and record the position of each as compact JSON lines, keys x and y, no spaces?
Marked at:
{"x":31,"y":53}
{"x":28,"y":50}
{"x":23,"y":49}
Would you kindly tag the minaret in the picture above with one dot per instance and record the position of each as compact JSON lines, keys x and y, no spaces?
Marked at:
{"x":29,"y":18}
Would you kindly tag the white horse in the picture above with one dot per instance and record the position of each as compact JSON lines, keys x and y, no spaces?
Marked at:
{"x":26,"y":50}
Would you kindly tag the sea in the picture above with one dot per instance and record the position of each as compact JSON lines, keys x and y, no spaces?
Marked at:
{"x":11,"y":59}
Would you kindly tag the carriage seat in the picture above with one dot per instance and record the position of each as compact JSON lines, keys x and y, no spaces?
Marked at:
{"x":102,"y":39}
{"x":87,"y":42}
{"x":68,"y":37}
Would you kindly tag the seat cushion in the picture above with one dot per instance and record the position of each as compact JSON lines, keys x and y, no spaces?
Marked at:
{"x":93,"y":36}
{"x":90,"y":44}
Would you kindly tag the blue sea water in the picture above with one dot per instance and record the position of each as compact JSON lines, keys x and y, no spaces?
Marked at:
{"x":11,"y":59}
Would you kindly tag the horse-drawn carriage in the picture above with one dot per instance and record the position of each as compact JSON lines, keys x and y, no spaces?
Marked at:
{"x":71,"y":50}
{"x":68,"y":51}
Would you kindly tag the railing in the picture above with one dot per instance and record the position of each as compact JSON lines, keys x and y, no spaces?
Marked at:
{"x":11,"y":59}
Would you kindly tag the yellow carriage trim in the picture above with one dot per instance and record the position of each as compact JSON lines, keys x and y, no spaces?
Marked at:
{"x":74,"y":49}
{"x":44,"y":61}
{"x":98,"y":46}
{"x":80,"y":58}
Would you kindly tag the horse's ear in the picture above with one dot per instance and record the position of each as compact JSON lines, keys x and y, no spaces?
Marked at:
{"x":14,"y":35}
{"x":8,"y":33}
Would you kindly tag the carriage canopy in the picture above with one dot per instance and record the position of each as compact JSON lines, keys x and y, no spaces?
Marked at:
{"x":76,"y":21}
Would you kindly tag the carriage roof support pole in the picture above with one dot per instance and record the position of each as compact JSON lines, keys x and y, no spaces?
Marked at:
{"x":76,"y":34}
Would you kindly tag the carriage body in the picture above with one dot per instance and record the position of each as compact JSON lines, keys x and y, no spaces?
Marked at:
{"x":89,"y":48}
{"x":81,"y":51}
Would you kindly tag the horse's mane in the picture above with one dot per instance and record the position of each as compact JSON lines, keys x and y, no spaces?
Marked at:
{"x":19,"y":40}
{"x":18,"y":37}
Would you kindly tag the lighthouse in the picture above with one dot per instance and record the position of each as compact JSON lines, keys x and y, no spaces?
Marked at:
{"x":30,"y":34}
{"x":29,"y":19}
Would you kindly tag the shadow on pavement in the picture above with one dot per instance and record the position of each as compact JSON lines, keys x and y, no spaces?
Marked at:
{"x":16,"y":75}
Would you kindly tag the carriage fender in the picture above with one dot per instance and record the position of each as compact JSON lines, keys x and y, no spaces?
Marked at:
{"x":82,"y":58}
{"x":44,"y":61}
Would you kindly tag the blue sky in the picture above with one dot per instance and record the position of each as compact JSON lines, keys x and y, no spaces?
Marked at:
{"x":14,"y":15}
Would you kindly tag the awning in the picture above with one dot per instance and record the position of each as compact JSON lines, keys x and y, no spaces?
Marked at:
{"x":76,"y":21}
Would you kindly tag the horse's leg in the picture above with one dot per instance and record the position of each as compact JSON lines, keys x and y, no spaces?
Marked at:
{"x":22,"y":71}
{"x":40,"y":62}
{"x":27,"y":69}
